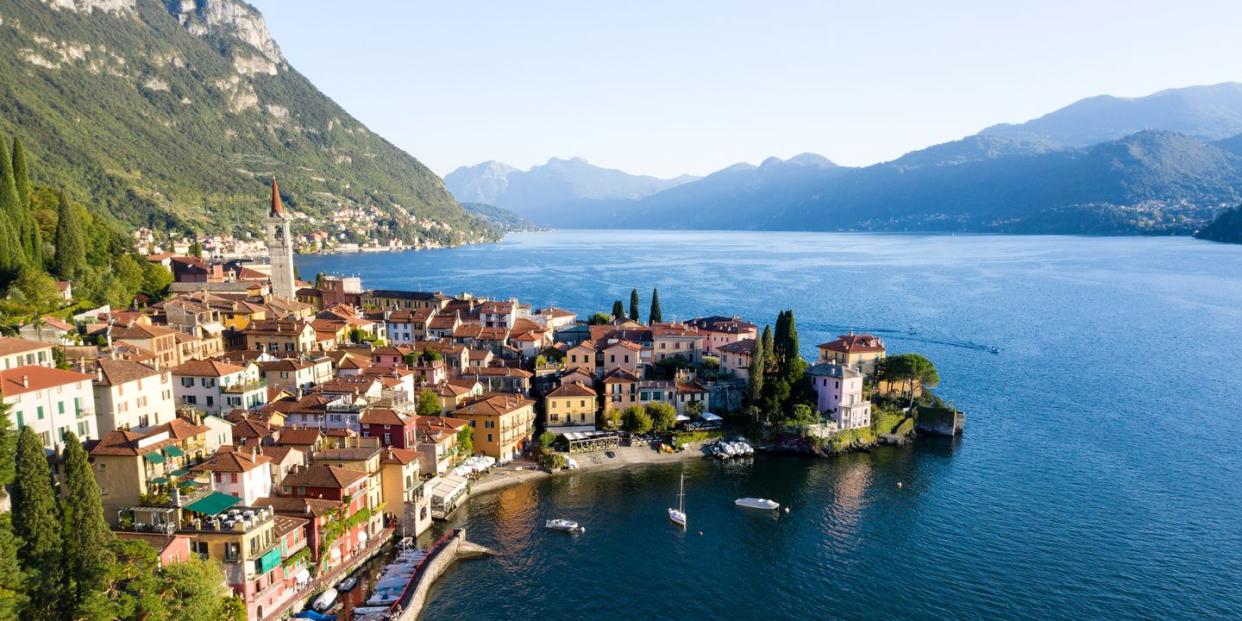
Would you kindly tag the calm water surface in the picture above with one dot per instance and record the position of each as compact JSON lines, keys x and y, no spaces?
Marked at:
{"x":1100,"y":475}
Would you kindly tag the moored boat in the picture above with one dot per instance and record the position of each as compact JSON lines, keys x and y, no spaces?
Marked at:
{"x":678,"y":515}
{"x":568,"y":526}
{"x":325,"y":600}
{"x":757,"y":503}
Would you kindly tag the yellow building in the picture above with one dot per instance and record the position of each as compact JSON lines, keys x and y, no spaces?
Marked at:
{"x":502,"y":423}
{"x":281,"y":336}
{"x":860,"y":352}
{"x":569,"y":405}
{"x":130,"y":464}
{"x":403,"y":490}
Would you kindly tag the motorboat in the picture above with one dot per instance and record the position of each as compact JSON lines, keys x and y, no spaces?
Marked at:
{"x":568,"y":526}
{"x":678,"y":515}
{"x":347,"y":584}
{"x":757,"y":503}
{"x":325,"y":600}
{"x":314,"y":616}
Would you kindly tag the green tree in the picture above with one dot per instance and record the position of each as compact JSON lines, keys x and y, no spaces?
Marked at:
{"x":694,"y":409}
{"x":465,"y":441}
{"x":767,"y":347}
{"x":663,"y":416}
{"x":803,"y":414}
{"x":637,"y":420}
{"x":754,"y":375}
{"x":87,"y":548}
{"x":12,"y":257}
{"x":195,"y":591}
{"x":618,"y":310}
{"x":912,"y":371}
{"x":136,"y":584}
{"x":31,"y":237}
{"x":70,"y":240}
{"x":655,"y":315}
{"x":613,"y":419}
{"x":598,"y":319}
{"x":8,"y":450}
{"x":196,"y":248}
{"x":634,"y":304}
{"x":12,"y":590}
{"x":155,"y":279}
{"x":546,"y":439}
{"x":36,"y":522}
{"x":428,"y":403}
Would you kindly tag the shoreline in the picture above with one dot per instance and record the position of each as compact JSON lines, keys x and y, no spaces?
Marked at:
{"x":509,"y":475}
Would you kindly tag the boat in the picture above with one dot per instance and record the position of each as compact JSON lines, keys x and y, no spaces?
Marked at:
{"x":568,"y":526}
{"x":347,"y":584}
{"x":678,"y":515}
{"x":325,"y":600}
{"x":314,"y":616}
{"x":757,"y":503}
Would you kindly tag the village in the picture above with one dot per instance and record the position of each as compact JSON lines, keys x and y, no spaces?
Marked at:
{"x":289,"y":429}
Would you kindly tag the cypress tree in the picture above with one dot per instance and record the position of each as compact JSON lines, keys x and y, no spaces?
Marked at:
{"x":655,"y":316}
{"x":768,"y":347}
{"x":12,"y":592}
{"x":754,"y":375}
{"x":780,"y":339}
{"x":634,"y":304}
{"x":8,"y":447}
{"x":12,"y":257}
{"x":36,"y":523}
{"x":31,"y":237}
{"x":791,"y":337}
{"x":618,"y":310}
{"x":70,"y":241}
{"x":88,"y":552}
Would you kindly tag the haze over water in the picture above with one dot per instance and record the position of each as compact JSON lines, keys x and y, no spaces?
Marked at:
{"x":1098,"y":475}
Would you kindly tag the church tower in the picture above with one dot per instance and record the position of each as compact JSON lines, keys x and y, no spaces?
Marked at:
{"x":280,"y":248}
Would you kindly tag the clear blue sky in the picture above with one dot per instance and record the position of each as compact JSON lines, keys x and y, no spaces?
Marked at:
{"x":669,"y":87}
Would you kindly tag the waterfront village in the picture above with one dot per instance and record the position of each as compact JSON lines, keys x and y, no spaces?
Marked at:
{"x":290,"y":429}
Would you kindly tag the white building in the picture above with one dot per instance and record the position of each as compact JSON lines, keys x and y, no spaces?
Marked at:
{"x":839,"y":395}
{"x":50,"y":401}
{"x":241,"y":473}
{"x":215,"y":387}
{"x":21,"y":352}
{"x":131,"y":394}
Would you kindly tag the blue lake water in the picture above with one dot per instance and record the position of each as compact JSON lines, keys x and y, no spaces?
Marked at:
{"x":1100,"y":475}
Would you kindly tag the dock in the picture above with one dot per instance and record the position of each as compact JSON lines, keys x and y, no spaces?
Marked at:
{"x":442,"y":554}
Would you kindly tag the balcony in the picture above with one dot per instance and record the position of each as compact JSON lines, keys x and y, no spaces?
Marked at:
{"x":237,"y":389}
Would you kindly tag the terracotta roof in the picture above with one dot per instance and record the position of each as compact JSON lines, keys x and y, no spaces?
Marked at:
{"x":744,"y":346}
{"x":729,"y":325}
{"x":572,"y":389}
{"x":123,"y":442}
{"x":206,"y":368}
{"x":115,"y":372}
{"x":855,"y":344}
{"x":141,"y":331}
{"x":299,"y":436}
{"x":286,"y":524}
{"x":619,"y":374}
{"x":323,"y":475}
{"x":353,"y":453}
{"x":498,"y":372}
{"x":250,"y":428}
{"x":383,"y":416}
{"x":58,"y":324}
{"x":630,"y":345}
{"x":398,"y":456}
{"x":21,"y":380}
{"x":228,"y":459}
{"x":291,"y":505}
{"x":495,"y":404}
{"x":553,"y":311}
{"x":10,"y":346}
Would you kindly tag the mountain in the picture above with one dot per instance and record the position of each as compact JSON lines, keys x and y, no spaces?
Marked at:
{"x":176,"y":114}
{"x":500,"y":219}
{"x":1227,"y":227}
{"x":548,"y":192}
{"x":1149,"y":182}
{"x":1207,"y":112}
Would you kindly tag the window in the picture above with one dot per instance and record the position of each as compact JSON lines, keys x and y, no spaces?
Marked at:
{"x":489,"y":437}
{"x":84,"y":429}
{"x":191,"y":399}
{"x":60,"y":407}
{"x":39,"y":411}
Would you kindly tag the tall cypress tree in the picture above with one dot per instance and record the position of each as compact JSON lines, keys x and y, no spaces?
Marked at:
{"x":70,"y":241}
{"x":12,"y":590}
{"x":12,"y":255}
{"x":37,"y":523}
{"x":768,"y":347}
{"x":88,"y":552}
{"x":780,"y":340}
{"x":754,"y":375}
{"x":791,"y":337}
{"x":634,"y":304}
{"x":31,"y":237}
{"x":655,"y":316}
{"x":8,"y":448}
{"x":618,"y":310}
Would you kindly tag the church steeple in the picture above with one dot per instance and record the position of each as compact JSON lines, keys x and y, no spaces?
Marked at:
{"x":277,"y":208}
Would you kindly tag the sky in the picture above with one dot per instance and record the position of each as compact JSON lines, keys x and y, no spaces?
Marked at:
{"x":669,"y":88}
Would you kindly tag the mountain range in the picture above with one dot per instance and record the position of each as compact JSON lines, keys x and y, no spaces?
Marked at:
{"x":177,"y":113}
{"x":1161,"y":164}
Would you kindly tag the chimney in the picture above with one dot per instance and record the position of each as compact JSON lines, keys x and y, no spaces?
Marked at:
{"x":25,"y":381}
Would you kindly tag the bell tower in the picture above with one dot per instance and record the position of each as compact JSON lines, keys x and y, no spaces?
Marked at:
{"x":280,"y":248}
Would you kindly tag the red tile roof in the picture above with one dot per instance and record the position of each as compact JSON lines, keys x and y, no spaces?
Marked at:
{"x":21,"y":380}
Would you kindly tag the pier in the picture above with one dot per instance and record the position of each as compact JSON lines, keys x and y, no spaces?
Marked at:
{"x":442,"y":554}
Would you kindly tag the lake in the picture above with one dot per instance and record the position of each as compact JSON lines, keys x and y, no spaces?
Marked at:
{"x":1100,"y":474}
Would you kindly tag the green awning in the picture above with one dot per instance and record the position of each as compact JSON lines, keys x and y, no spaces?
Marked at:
{"x":213,"y":503}
{"x":154,"y":458}
{"x":268,"y":561}
{"x":179,"y":472}
{"x":159,"y":480}
{"x":173,"y":451}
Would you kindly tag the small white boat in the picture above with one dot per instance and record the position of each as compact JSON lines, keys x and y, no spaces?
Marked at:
{"x":568,"y":526}
{"x":757,"y":503}
{"x":325,"y":600}
{"x":678,"y":515}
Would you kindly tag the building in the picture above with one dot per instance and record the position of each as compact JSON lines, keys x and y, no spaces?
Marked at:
{"x":388,"y":299}
{"x":719,"y":331}
{"x":735,"y":356}
{"x":570,"y":404}
{"x":622,"y":355}
{"x":293,"y":374}
{"x":438,"y":443}
{"x":215,"y":387}
{"x":280,"y":248}
{"x":860,"y":352}
{"x":620,"y":389}
{"x":132,"y":394}
{"x":51,"y":401}
{"x":669,"y":340}
{"x":130,"y":464}
{"x":404,"y":497}
{"x":281,"y":336}
{"x":241,"y":473}
{"x":503,"y":424}
{"x":839,"y":395}
{"x":50,"y":330}
{"x":390,"y":428}
{"x":158,"y":340}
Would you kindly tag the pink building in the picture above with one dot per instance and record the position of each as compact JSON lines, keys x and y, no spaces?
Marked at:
{"x":839,"y":395}
{"x":720,"y":331}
